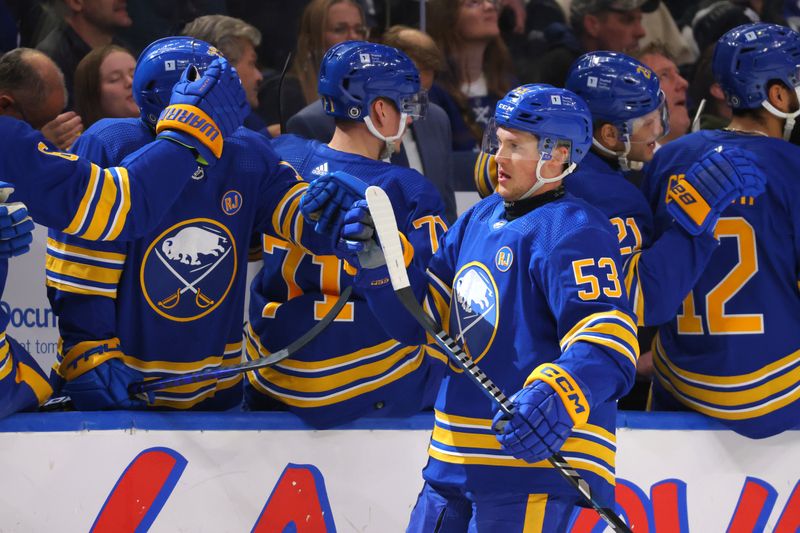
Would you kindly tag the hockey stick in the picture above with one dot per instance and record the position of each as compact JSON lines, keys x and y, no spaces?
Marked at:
{"x":386,"y":228}
{"x":223,"y":372}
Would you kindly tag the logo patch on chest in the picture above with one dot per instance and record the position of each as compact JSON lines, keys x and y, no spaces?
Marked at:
{"x":504,"y":259}
{"x":474,"y":309}
{"x":189,"y":269}
{"x":231,"y":202}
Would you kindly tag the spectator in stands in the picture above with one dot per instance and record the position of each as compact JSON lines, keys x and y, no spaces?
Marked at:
{"x":614,"y":25}
{"x":324,"y":23}
{"x":674,"y":86}
{"x":87,"y":24}
{"x":237,"y":40}
{"x":478,"y":68}
{"x":427,"y":148}
{"x":33,"y":87}
{"x":706,"y":92}
{"x":103,"y":82}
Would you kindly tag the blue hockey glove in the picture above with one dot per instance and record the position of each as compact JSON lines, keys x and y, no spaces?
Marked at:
{"x":104,"y":387}
{"x":539,"y":426}
{"x":204,"y":110}
{"x":357,"y":244}
{"x":16,"y":227}
{"x":698,"y":198}
{"x":328,"y":198}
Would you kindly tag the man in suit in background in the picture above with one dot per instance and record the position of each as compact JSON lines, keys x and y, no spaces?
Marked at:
{"x":427,"y":149}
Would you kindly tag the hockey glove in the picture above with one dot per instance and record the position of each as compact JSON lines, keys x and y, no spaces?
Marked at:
{"x":204,"y":110}
{"x":16,"y":227}
{"x":104,"y":387}
{"x":698,"y":198}
{"x":357,"y":244}
{"x":539,"y":426}
{"x":328,"y":198}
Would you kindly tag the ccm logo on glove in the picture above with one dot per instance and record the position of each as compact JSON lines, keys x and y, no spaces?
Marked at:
{"x":571,"y":394}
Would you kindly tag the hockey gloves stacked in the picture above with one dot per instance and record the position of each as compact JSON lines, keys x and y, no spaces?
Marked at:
{"x":16,"y":227}
{"x":203,"y":110}
{"x":698,"y":198}
{"x":328,"y":198}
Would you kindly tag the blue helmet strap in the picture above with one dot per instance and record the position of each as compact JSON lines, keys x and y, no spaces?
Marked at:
{"x":546,"y":145}
{"x":790,"y":117}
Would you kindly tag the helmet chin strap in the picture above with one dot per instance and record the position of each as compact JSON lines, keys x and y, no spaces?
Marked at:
{"x":790,"y":117}
{"x":388,"y":147}
{"x":624,"y":163}
{"x":540,"y":181}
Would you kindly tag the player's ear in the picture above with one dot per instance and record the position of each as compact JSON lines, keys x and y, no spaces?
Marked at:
{"x":782,"y":97}
{"x":608,"y":136}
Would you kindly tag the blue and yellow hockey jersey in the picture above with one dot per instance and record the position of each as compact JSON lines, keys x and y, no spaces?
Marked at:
{"x":541,"y":288}
{"x":732,"y":351}
{"x":173,"y":301}
{"x":79,"y":197}
{"x":658,"y":272}
{"x":653,"y":280}
{"x":353,"y":368}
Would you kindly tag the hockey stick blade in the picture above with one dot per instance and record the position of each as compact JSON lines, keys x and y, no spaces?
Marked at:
{"x":380,"y":208}
{"x":223,"y":372}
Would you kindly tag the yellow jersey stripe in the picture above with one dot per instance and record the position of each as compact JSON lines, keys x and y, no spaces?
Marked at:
{"x":308,"y":402}
{"x":79,"y":219}
{"x":86,"y":253}
{"x":740,"y":380}
{"x":121,"y":216}
{"x":77,"y":288}
{"x":631,"y":355}
{"x":579,"y":463}
{"x":609,"y":316}
{"x":322,"y":384}
{"x":534,"y":513}
{"x":102,"y":211}
{"x":83,"y":271}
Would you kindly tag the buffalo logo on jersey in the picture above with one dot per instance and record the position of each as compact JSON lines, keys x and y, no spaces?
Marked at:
{"x":503,"y":259}
{"x":188,"y":270}
{"x":473,"y":311}
{"x":231,"y":202}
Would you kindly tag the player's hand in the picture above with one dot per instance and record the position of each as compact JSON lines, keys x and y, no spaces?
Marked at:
{"x":328,"y":198}
{"x":204,"y":110}
{"x":697,"y":199}
{"x":357,"y":244}
{"x":104,"y":387}
{"x":539,"y":426}
{"x":63,"y":130}
{"x":16,"y":227}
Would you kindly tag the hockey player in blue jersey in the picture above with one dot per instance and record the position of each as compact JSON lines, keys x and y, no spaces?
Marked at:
{"x":630,"y":115}
{"x":23,"y":384}
{"x":98,"y":203}
{"x":63,"y":191}
{"x":352,"y":369}
{"x":731,"y":351}
{"x":173,"y":301}
{"x":528,"y":281}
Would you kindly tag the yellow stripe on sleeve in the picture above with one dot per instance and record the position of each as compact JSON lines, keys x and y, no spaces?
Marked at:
{"x":125,"y":205}
{"x":88,"y":195}
{"x":102,"y":211}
